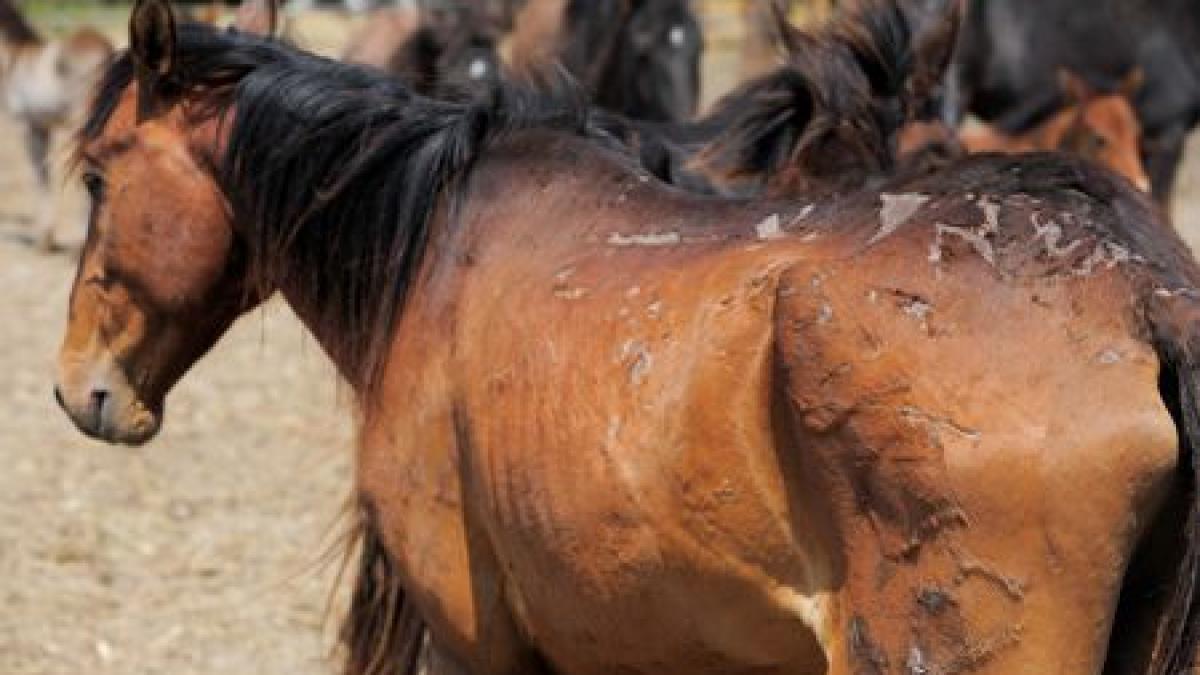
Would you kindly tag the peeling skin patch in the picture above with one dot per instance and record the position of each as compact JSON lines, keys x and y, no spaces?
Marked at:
{"x":1109,"y":357}
{"x":649,"y":239}
{"x":870,"y":657}
{"x":769,"y":228}
{"x":1106,"y":255}
{"x":938,"y":422}
{"x":825,"y":315}
{"x":968,"y":568}
{"x":897,"y":210}
{"x":638,"y":359}
{"x":1050,"y":233}
{"x":915,"y":664}
{"x":1176,"y":293}
{"x":918,"y":309}
{"x":570,"y":293}
{"x":978,"y":239}
{"x":991,"y":214}
{"x":563,"y":289}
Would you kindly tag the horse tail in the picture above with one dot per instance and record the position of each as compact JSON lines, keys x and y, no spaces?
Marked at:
{"x":383,"y":633}
{"x":1175,"y":321}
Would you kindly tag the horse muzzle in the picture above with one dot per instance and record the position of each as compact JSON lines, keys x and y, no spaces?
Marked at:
{"x":105,"y":407}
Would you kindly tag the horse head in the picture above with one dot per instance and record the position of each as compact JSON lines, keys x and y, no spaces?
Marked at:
{"x":659,"y":55}
{"x":1104,"y":127}
{"x":162,"y":274}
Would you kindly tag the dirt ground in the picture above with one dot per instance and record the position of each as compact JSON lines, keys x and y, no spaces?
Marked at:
{"x":201,"y":553}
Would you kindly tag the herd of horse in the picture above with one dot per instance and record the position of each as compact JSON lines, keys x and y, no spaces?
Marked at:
{"x":797,"y":386}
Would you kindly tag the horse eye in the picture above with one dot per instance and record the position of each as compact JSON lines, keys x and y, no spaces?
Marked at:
{"x":479,"y":69}
{"x":677,"y":37}
{"x":94,"y":183}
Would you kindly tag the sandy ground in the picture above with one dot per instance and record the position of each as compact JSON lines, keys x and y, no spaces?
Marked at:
{"x":198,"y":554}
{"x":201,"y":553}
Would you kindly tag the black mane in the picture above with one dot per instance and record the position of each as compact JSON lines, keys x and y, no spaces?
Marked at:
{"x":334,"y":172}
{"x":836,"y":105}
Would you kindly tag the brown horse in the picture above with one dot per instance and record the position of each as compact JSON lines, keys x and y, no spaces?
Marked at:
{"x":1101,"y":127}
{"x":943,"y":426}
{"x":42,"y":83}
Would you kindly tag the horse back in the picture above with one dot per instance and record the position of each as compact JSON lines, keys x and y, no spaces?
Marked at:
{"x":616,"y":405}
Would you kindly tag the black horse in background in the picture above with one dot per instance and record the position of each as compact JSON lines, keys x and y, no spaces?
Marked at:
{"x":1010,"y":53}
{"x":637,"y":58}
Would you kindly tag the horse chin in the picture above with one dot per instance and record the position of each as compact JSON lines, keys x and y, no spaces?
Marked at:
{"x":135,"y":426}
{"x":138,"y":429}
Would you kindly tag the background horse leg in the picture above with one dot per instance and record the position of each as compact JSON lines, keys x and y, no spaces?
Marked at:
{"x":37,"y":143}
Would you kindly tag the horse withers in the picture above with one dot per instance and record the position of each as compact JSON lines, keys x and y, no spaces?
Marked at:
{"x":937,"y":424}
{"x":42,"y":84}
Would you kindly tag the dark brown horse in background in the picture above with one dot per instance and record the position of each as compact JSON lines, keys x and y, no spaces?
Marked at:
{"x":639,"y":58}
{"x":611,"y":427}
{"x":440,"y":51}
{"x":42,"y":84}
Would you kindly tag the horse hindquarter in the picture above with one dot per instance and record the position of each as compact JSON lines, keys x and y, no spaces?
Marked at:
{"x":985,"y":501}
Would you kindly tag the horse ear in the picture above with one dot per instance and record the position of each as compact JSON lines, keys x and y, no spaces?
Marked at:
{"x":935,"y":42}
{"x":152,"y":48}
{"x":1073,"y":87}
{"x":152,"y":36}
{"x":258,"y":17}
{"x":1132,"y":83}
{"x":787,"y":37}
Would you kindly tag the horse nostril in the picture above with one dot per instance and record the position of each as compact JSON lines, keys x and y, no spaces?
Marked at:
{"x":58,"y":398}
{"x":98,"y":400}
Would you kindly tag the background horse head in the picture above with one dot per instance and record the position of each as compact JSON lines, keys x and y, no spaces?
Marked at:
{"x":42,"y":85}
{"x":639,"y":58}
{"x":440,"y":51}
{"x":1099,"y":126}
{"x":655,"y":70}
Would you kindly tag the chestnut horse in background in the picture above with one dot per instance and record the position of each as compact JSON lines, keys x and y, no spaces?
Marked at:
{"x":938,"y":424}
{"x":1101,"y":127}
{"x":42,"y":84}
